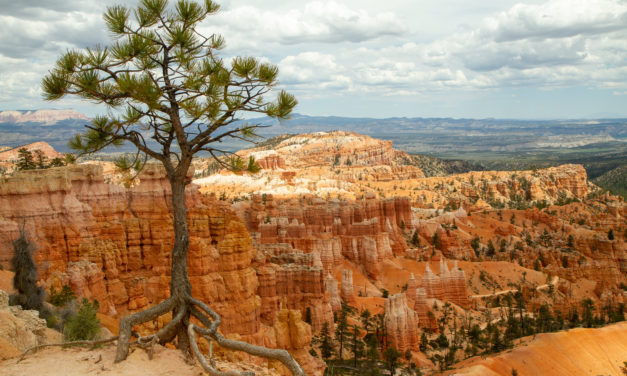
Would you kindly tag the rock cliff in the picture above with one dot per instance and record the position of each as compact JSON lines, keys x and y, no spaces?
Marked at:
{"x":113,"y":244}
{"x":401,"y":323}
{"x":365,"y":232}
{"x":21,"y":329}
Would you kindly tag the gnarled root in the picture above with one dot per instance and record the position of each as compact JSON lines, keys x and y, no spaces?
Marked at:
{"x":127,"y":323}
{"x":187,"y":340}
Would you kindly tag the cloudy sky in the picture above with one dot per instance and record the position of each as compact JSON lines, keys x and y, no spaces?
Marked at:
{"x":429,"y":58}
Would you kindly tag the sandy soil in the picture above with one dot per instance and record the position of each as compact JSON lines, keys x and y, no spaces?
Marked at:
{"x":576,"y":352}
{"x":78,"y":362}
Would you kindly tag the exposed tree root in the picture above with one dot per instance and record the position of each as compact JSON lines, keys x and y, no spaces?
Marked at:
{"x":73,"y":343}
{"x":187,"y":340}
{"x":127,"y":323}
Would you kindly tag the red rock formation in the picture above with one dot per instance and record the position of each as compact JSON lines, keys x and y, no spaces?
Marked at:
{"x":331,"y":287}
{"x":12,"y":155}
{"x":457,"y":292}
{"x":346,"y":287}
{"x":448,"y":286}
{"x":294,"y":335}
{"x":365,"y":232}
{"x":401,"y":323}
{"x":432,"y":284}
{"x":113,"y":244}
{"x":296,"y":279}
{"x":410,"y":292}
{"x":270,"y":161}
{"x":422,"y":309}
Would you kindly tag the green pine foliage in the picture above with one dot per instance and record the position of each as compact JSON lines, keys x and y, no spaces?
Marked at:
{"x":84,"y":325}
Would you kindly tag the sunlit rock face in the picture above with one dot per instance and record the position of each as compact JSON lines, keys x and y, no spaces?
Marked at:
{"x":113,"y":244}
{"x":401,"y":323}
{"x":365,"y":232}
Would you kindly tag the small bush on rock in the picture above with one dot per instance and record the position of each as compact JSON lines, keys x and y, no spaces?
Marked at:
{"x":84,"y":325}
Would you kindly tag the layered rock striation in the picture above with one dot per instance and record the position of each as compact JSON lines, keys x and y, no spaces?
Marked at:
{"x":401,"y":323}
{"x":113,"y":244}
{"x":365,"y":232}
{"x":449,"y":285}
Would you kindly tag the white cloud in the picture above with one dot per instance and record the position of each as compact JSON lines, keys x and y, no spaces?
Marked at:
{"x":361,"y":48}
{"x":556,"y":19}
{"x":316,"y":22}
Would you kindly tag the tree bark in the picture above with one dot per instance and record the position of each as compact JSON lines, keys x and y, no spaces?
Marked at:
{"x":180,"y":287}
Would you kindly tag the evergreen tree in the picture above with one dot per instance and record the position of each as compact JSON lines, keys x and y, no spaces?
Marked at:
{"x":491,"y":249}
{"x":325,"y":344}
{"x":424,"y":342}
{"x":436,"y":241}
{"x":587,"y":315}
{"x":342,"y":331}
{"x":29,"y":295}
{"x":25,"y":160}
{"x":356,"y":344}
{"x":85,"y":325}
{"x":56,"y":162}
{"x":474,"y":243}
{"x":41,"y":160}
{"x":415,"y":240}
{"x":545,"y":238}
{"x":366,"y":320}
{"x":610,"y":234}
{"x":162,"y":78}
{"x":392,"y":355}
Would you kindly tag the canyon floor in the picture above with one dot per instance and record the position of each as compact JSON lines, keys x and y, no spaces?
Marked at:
{"x":577,"y":352}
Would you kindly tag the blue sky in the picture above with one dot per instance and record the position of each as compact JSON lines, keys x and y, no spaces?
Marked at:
{"x":445,"y":58}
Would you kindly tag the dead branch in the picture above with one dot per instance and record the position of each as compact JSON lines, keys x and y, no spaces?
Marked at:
{"x":72,"y":343}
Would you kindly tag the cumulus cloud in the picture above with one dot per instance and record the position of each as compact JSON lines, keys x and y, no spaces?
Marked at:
{"x":354,"y":49}
{"x":555,"y":44}
{"x":556,"y":19}
{"x":321,"y":22}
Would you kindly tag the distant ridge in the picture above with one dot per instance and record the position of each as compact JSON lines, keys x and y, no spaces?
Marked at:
{"x":39,"y":116}
{"x":11,"y":154}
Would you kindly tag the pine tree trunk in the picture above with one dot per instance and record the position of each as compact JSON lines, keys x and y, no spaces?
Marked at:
{"x":180,"y":287}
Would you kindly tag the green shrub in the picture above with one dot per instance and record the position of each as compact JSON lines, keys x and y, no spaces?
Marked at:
{"x":61,"y":298}
{"x":53,"y":322}
{"x":85,"y":325}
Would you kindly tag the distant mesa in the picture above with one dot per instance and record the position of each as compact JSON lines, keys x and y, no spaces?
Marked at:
{"x":39,"y":116}
{"x":12,"y":154}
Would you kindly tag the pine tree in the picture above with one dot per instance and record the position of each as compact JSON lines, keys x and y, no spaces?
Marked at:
{"x":415,"y":240}
{"x":587,"y":315}
{"x":326,"y":342}
{"x":424,"y":342}
{"x":474,"y":243}
{"x":490,"y":248}
{"x":436,"y":241}
{"x":342,"y":329}
{"x":356,"y":344}
{"x":392,"y":355}
{"x":366,"y":320}
{"x":162,"y":79}
{"x":29,"y":295}
{"x":41,"y":161}
{"x":25,"y":160}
